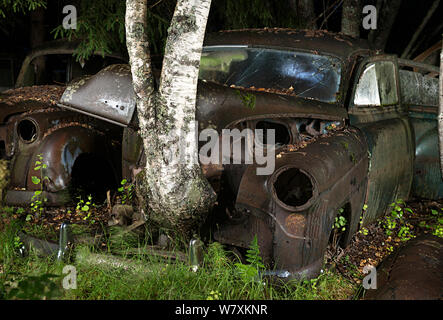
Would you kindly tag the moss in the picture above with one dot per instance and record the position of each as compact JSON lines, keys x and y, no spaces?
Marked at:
{"x":4,"y":178}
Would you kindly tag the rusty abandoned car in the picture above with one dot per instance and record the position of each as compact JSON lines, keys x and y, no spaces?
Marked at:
{"x":352,"y":127}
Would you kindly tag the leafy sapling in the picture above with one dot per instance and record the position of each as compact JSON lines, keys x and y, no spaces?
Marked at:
{"x":126,"y":191}
{"x":396,"y":221}
{"x":38,"y":200}
{"x":340,"y":221}
{"x":84,"y":208}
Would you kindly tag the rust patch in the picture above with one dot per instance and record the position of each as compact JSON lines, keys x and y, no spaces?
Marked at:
{"x":70,"y":124}
{"x":295,"y":223}
{"x":49,"y":95}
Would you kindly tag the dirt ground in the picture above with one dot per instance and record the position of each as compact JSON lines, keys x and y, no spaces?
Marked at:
{"x":373,"y":247}
{"x":368,"y":248}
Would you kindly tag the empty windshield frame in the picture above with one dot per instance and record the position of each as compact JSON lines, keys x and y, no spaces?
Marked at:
{"x":335,"y":97}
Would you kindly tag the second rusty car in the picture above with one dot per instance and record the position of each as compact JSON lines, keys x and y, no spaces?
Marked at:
{"x":352,"y":127}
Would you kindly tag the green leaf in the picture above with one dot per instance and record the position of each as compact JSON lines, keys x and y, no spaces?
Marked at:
{"x":35,"y":180}
{"x":85,"y":208}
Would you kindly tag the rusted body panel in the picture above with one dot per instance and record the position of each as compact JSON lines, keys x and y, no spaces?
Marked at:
{"x":60,"y":137}
{"x":334,"y":151}
{"x":420,"y":96}
{"x":427,"y":178}
{"x":310,"y":40}
{"x":300,"y":233}
{"x":108,"y":95}
{"x":413,"y":272}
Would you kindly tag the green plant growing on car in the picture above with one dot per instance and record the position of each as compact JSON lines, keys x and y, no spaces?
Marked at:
{"x":126,"y":191}
{"x":338,"y":227}
{"x":248,"y":99}
{"x":340,"y":221}
{"x":363,"y":230}
{"x":38,"y":199}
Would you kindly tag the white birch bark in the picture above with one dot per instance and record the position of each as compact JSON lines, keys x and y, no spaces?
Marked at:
{"x":178,"y":194}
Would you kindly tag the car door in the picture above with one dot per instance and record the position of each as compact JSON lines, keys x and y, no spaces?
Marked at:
{"x":376,"y":109}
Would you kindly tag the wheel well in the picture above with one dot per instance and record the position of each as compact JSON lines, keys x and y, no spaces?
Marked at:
{"x":337,"y":236}
{"x":92,"y":174}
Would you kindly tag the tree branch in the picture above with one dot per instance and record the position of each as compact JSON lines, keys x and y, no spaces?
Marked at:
{"x":138,"y":48}
{"x":420,"y":29}
{"x":183,"y":51}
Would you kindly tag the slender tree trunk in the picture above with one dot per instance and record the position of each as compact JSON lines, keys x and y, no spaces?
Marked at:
{"x":178,"y":194}
{"x":38,"y":37}
{"x":305,"y":11}
{"x":351,"y":18}
{"x":387,"y":11}
{"x":440,"y":114}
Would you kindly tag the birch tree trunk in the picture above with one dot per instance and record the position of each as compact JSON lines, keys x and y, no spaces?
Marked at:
{"x":178,"y":195}
{"x":440,"y":114}
{"x":351,"y":18}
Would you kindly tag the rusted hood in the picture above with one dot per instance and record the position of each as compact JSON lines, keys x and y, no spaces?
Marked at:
{"x":27,"y":99}
{"x":109,"y":95}
{"x":220,"y":106}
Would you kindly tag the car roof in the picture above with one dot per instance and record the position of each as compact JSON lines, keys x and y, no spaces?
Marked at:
{"x":317,"y":41}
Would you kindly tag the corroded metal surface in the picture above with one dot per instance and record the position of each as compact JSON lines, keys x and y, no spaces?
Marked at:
{"x":312,"y":40}
{"x":427,"y":177}
{"x":300,"y":233}
{"x":330,"y":155}
{"x":60,"y":137}
{"x":109,"y":94}
{"x":412,"y":272}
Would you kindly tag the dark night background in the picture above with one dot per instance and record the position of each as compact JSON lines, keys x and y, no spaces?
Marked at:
{"x":15,"y":30}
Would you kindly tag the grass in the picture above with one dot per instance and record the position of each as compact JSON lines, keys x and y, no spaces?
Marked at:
{"x":148,"y":277}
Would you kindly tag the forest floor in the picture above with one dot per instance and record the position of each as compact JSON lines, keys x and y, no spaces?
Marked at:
{"x":222,"y":275}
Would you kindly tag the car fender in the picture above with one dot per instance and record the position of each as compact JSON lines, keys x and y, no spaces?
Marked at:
{"x":337,"y":167}
{"x":60,"y":149}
